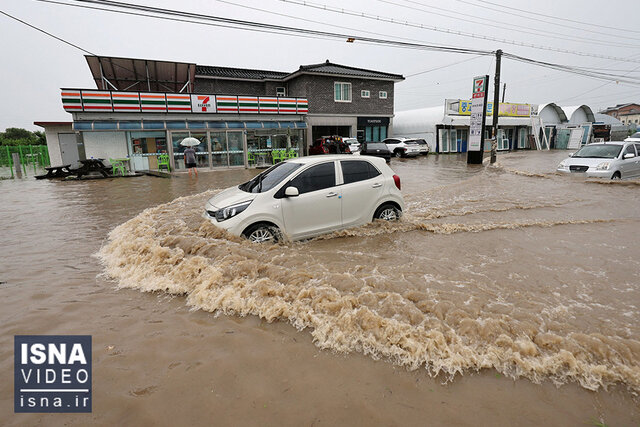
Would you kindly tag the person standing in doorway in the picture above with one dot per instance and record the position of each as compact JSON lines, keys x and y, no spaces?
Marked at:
{"x":190,"y":160}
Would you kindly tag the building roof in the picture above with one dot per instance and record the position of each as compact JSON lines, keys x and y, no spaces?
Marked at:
{"x":330,"y":68}
{"x":326,"y":68}
{"x":617,"y":107}
{"x":239,"y":73}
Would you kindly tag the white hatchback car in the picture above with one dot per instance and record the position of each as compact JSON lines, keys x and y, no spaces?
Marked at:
{"x":308,"y":196}
{"x":614,"y":160}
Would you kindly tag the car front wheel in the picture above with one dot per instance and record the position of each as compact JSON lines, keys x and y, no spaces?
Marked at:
{"x":398,"y":153}
{"x":616,"y":175}
{"x":260,"y":233}
{"x":388,"y":212}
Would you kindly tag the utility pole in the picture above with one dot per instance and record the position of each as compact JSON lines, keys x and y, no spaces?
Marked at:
{"x":496,"y":106}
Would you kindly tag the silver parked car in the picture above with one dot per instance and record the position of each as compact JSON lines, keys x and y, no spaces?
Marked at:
{"x":614,"y":160}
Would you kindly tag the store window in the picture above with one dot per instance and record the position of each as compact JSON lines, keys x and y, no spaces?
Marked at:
{"x":202,"y":150}
{"x":342,"y":92}
{"x":270,"y":146}
{"x":145,"y":147}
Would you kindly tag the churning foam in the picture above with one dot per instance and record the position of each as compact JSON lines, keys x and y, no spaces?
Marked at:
{"x":170,"y":248}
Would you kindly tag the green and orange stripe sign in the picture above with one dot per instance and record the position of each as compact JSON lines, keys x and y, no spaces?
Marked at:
{"x":96,"y":100}
{"x":126,"y":101}
{"x":287,"y":106}
{"x":153,"y":102}
{"x":227,"y":104}
{"x":178,"y":103}
{"x":71,"y":100}
{"x":268,"y":104}
{"x":248,"y":104}
{"x":76,"y":100}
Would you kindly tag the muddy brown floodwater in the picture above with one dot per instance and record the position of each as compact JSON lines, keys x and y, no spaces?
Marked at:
{"x":506,"y":295}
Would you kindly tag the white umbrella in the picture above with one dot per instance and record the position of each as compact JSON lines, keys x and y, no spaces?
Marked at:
{"x":190,"y":142}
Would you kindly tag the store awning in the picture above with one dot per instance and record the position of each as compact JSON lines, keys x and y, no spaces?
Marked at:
{"x":114,"y":125}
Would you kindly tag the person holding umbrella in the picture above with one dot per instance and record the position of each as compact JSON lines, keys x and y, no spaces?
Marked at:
{"x":190,"y":154}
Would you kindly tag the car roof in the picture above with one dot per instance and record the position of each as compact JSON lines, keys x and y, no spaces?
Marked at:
{"x":607,"y":143}
{"x":318,"y":159}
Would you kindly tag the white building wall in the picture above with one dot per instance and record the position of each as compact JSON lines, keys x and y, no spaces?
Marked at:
{"x":53,"y":146}
{"x":51,"y":133}
{"x":579,"y":117}
{"x":105,"y":145}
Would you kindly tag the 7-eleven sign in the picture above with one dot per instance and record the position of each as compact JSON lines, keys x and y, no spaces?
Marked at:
{"x":479,"y":87}
{"x":203,"y":103}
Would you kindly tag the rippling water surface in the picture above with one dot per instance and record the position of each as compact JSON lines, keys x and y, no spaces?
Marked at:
{"x":509,"y":267}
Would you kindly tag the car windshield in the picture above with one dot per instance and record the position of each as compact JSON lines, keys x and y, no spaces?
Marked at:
{"x":376,"y":146}
{"x":411,"y":141}
{"x":635,"y":135}
{"x":596,"y":151}
{"x":268,"y":179}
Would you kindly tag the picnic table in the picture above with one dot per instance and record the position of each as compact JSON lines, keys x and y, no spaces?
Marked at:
{"x":56,"y":172}
{"x":91,"y":165}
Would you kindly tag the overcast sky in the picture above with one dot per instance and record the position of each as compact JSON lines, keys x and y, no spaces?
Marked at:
{"x":35,"y":66}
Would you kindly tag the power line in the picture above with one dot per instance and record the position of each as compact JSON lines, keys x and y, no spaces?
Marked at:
{"x":47,"y":33}
{"x":307,"y":20}
{"x":444,"y":66}
{"x":264,"y":27}
{"x":556,"y":17}
{"x":520,"y":28}
{"x":365,"y":15}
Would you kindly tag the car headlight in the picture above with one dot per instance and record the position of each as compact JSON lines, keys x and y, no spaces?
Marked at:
{"x":562,"y":165}
{"x":603,"y":166}
{"x":231,"y":211}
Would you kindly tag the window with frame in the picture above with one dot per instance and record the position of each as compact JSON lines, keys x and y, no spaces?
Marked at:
{"x":629,"y":150}
{"x":315,"y":178}
{"x":357,"y":170}
{"x":365,"y":94}
{"x":382,"y":94}
{"x":342,"y":92}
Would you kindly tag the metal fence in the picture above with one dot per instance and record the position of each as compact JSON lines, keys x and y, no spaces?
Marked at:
{"x":31,"y":156}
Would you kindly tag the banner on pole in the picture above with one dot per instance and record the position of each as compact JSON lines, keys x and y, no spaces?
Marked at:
{"x":478,"y":113}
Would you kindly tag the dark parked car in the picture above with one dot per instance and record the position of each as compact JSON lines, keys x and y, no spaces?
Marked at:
{"x":378,"y":149}
{"x":329,"y":145}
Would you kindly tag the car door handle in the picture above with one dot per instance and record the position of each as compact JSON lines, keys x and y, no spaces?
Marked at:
{"x":377,"y":185}
{"x":332,"y":194}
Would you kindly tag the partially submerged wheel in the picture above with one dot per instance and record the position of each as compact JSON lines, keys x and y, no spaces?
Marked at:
{"x":260,"y":233}
{"x":398,"y":153}
{"x":388,"y":212}
{"x":616,"y":175}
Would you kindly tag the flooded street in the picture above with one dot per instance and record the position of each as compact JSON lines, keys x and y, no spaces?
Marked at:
{"x":507,"y":294}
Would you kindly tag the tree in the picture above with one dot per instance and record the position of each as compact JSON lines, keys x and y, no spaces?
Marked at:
{"x":19,"y":136}
{"x":41,"y":138}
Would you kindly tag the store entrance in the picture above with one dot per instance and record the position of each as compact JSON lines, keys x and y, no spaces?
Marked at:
{"x":227,"y":148}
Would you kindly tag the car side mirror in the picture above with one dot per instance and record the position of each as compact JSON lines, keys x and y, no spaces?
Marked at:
{"x":628,"y":156}
{"x":291,"y":192}
{"x":571,"y":154}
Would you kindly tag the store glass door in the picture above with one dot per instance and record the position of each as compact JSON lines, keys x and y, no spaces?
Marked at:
{"x":227,"y":148}
{"x":202,"y":149}
{"x":220,"y":155}
{"x":235,"y":146}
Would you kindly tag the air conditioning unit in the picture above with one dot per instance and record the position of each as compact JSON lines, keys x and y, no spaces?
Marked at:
{"x":281,"y":91}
